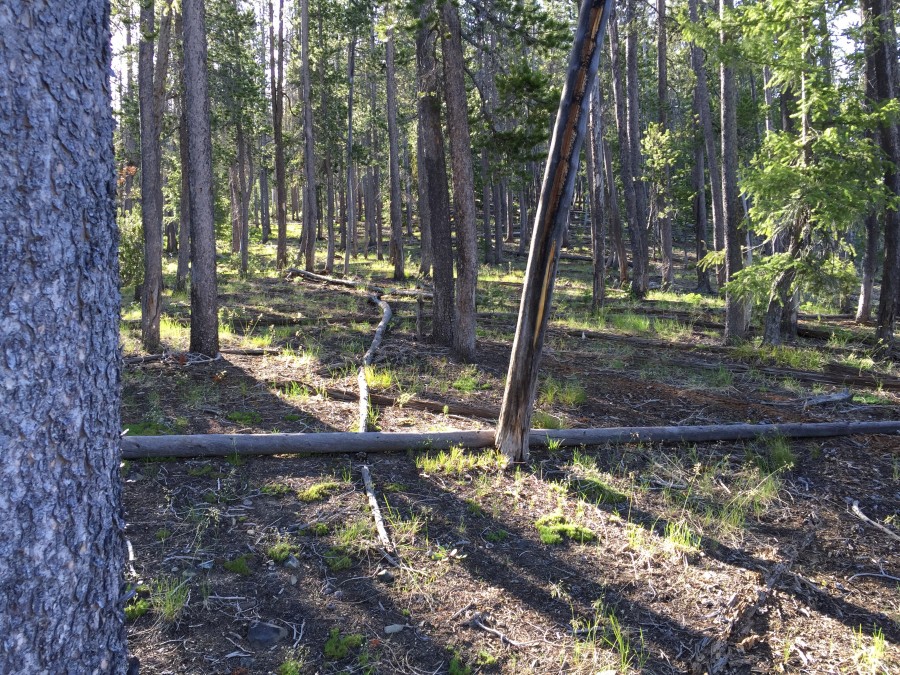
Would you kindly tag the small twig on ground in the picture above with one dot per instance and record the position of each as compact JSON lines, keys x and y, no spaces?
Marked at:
{"x":854,"y":508}
{"x":458,"y":612}
{"x":874,"y":574}
{"x":376,"y":511}
{"x":477,"y":621}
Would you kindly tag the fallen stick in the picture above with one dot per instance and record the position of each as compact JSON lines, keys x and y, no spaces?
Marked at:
{"x":863,"y":517}
{"x":376,"y":512}
{"x":223,"y":445}
{"x":349,"y":283}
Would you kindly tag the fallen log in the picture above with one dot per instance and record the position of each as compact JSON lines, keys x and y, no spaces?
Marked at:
{"x":376,"y":511}
{"x":223,"y":445}
{"x":349,"y":283}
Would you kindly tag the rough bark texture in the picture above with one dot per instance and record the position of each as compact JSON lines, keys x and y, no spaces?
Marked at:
{"x":394,"y":151}
{"x":184,"y":201}
{"x":62,"y":538}
{"x":463,"y":184}
{"x":244,"y":199}
{"x":735,"y":308}
{"x":550,"y":222}
{"x":864,"y":307}
{"x":615,"y":219}
{"x":204,"y":295}
{"x":422,"y":197}
{"x":433,"y":166}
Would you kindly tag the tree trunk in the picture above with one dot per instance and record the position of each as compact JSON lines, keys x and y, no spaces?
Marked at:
{"x":884,"y":55}
{"x":615,"y":220}
{"x":709,"y":141}
{"x":276,"y":76}
{"x":204,"y":296}
{"x":265,"y":217}
{"x":628,"y":187}
{"x":151,"y":106}
{"x":184,"y":201}
{"x":463,"y":188}
{"x":235,"y":208}
{"x":864,"y":308}
{"x":422,"y":197}
{"x":735,"y":308}
{"x":407,"y":188}
{"x":309,"y":147}
{"x":60,"y":492}
{"x":640,"y":279}
{"x":665,"y":224}
{"x":552,"y":214}
{"x":350,"y":244}
{"x":329,"y":221}
{"x":394,"y":151}
{"x":599,"y":211}
{"x":487,"y":230}
{"x":244,"y":204}
{"x":700,"y":219}
{"x":433,"y":166}
{"x":498,"y":222}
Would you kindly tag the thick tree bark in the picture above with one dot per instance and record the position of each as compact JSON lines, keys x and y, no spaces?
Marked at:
{"x":486,"y":196}
{"x":636,"y":229}
{"x":277,"y":77}
{"x":394,"y":161}
{"x":62,"y":540}
{"x":735,"y":308}
{"x":350,"y":244}
{"x":864,"y":308}
{"x":550,"y":221}
{"x":204,"y":295}
{"x":463,"y":188}
{"x":235,"y":207}
{"x":329,"y":218}
{"x":709,"y":141}
{"x":151,"y":87}
{"x":265,"y":216}
{"x":422,"y":197}
{"x":665,"y":223}
{"x":433,"y":168}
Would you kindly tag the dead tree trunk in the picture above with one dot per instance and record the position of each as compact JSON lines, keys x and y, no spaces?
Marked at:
{"x":350,"y":244}
{"x":277,"y":78}
{"x":550,"y":221}
{"x":309,"y":148}
{"x":394,"y":161}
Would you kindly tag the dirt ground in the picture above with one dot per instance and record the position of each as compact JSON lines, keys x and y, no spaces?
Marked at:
{"x":738,"y":557}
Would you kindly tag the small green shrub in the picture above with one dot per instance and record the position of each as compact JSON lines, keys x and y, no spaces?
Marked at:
{"x":245,"y":417}
{"x":282,"y":551}
{"x":239,"y":565}
{"x":135,"y":610}
{"x":276,"y":489}
{"x":318,"y":492}
{"x":555,"y":527}
{"x":338,"y":646}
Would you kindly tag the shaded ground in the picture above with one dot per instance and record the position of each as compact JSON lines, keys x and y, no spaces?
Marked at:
{"x":741,"y":557}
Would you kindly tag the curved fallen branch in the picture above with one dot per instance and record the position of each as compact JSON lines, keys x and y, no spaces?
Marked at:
{"x":223,"y":445}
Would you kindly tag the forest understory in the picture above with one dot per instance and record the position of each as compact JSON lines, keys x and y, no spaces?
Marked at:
{"x":734,"y":557}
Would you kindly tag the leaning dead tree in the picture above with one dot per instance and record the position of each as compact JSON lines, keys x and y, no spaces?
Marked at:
{"x":549,"y":227}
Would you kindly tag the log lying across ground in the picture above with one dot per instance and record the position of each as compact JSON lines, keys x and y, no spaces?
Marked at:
{"x":223,"y":445}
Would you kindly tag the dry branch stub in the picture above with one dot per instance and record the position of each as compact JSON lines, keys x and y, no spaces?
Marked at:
{"x":223,"y":445}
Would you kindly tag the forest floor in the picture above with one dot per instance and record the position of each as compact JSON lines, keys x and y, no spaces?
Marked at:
{"x":734,"y":557}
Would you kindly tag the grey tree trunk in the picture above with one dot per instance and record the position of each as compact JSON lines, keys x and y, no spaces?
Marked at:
{"x":407,"y":189}
{"x":615,"y":220}
{"x":709,"y":141}
{"x":204,"y":295}
{"x":277,"y":77}
{"x":394,"y":162}
{"x":700,"y":218}
{"x":350,"y":244}
{"x":887,"y":79}
{"x":599,"y":211}
{"x":640,"y":279}
{"x":309,"y":147}
{"x":265,"y":216}
{"x":151,"y":87}
{"x":184,"y":201}
{"x":434,"y":167}
{"x":636,"y":229}
{"x":665,"y":224}
{"x":550,"y":221}
{"x":864,"y":308}
{"x":487,"y":230}
{"x":422,"y":197}
{"x":329,"y":221}
{"x":463,"y":184}
{"x":235,"y":204}
{"x":735,"y":308}
{"x":62,"y":540}
{"x":244,"y":195}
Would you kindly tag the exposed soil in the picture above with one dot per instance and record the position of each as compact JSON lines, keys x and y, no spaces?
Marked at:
{"x":725,"y":557}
